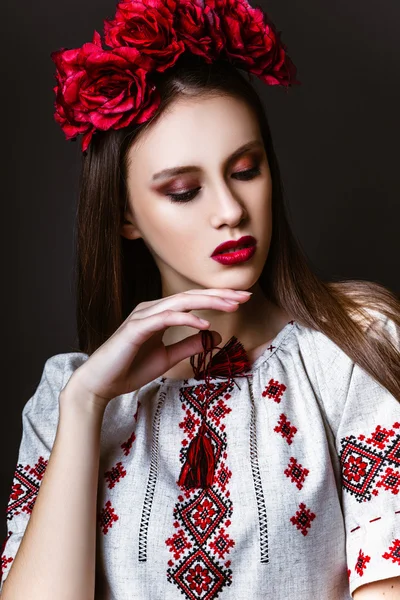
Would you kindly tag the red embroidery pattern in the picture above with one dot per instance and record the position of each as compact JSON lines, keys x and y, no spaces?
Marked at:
{"x":223,"y":476}
{"x":302,"y":519}
{"x":202,"y":516}
{"x":296,"y":472}
{"x":126,"y":446}
{"x":380,"y":437}
{"x":4,"y":560}
{"x":219,"y":412}
{"x":394,"y":552}
{"x":285,"y":428}
{"x":390,"y":481}
{"x":116,"y":473}
{"x":5,"y":542}
{"x":189,"y":424}
{"x":274,"y":390}
{"x":361,"y":563}
{"x":179,"y":542}
{"x":107,"y":515}
{"x":25,"y":488}
{"x":364,"y":460}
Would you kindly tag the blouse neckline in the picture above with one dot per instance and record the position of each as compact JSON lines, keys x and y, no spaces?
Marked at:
{"x":275,"y":343}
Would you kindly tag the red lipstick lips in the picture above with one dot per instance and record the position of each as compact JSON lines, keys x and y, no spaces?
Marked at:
{"x":235,"y":251}
{"x":246,"y":240}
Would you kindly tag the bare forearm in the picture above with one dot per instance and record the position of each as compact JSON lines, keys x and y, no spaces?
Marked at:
{"x":56,"y":558}
{"x":387,"y":589}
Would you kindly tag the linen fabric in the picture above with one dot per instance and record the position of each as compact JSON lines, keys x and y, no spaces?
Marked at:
{"x":305,"y":501}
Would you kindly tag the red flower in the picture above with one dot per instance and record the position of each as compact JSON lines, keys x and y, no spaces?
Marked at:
{"x":100,"y":89}
{"x":204,"y":514}
{"x":252,"y":42}
{"x":355,"y":468}
{"x":199,"y":27}
{"x":198,"y":579}
{"x":146,"y":25}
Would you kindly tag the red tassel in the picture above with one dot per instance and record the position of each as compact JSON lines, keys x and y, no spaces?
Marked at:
{"x":199,"y":467}
{"x":230,"y":360}
{"x":198,"y":470}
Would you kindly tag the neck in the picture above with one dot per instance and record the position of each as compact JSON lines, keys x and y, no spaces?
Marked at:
{"x":254,"y":323}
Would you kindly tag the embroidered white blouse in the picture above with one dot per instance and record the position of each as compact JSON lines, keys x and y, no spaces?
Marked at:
{"x":305,"y":502}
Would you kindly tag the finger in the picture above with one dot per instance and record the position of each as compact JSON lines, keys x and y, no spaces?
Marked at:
{"x":186,"y":302}
{"x":138,"y":331}
{"x":188,"y":347}
{"x":147,"y":306}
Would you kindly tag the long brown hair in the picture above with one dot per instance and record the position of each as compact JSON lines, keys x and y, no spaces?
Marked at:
{"x":114,"y":274}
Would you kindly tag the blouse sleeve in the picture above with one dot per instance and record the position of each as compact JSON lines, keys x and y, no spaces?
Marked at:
{"x":366,"y":425}
{"x":39,"y":425}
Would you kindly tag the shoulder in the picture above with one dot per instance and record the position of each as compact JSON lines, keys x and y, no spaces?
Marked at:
{"x":57,"y":370}
{"x":337,"y":378}
{"x":374,"y":322}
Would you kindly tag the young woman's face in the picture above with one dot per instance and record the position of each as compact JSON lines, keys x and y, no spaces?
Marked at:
{"x":183,"y":217}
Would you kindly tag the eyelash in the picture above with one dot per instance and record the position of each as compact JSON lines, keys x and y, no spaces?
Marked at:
{"x":188,"y":196}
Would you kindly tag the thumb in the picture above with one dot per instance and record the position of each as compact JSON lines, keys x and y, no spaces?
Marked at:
{"x":189,"y":346}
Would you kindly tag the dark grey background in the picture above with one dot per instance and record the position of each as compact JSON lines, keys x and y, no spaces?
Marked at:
{"x":337,"y":138}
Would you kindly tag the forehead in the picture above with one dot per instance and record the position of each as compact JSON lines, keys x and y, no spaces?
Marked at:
{"x":194,"y":131}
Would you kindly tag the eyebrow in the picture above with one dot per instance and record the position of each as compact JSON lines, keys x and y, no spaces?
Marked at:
{"x":190,"y":168}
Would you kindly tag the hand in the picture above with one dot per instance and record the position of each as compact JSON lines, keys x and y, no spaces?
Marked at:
{"x":135,"y":354}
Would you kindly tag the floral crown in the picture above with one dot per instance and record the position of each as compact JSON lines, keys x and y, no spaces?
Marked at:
{"x":100,"y":89}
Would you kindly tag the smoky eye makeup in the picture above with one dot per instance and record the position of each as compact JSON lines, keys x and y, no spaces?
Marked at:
{"x":246,"y":171}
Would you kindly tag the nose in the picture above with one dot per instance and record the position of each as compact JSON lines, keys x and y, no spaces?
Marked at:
{"x":227,"y":207}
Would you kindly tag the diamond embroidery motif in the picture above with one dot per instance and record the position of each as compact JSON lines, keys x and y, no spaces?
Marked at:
{"x":394,"y":552}
{"x":371,"y":464}
{"x":25,"y":488}
{"x":201,"y":578}
{"x":201,"y":542}
{"x":303,"y":518}
{"x":274,"y":390}
{"x":390,"y":481}
{"x":286,"y":429}
{"x":203,"y":514}
{"x":296,"y":472}
{"x":380,"y":437}
{"x":106,"y":517}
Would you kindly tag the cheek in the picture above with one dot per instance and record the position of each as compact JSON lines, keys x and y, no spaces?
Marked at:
{"x":260,"y":198}
{"x":169,"y":230}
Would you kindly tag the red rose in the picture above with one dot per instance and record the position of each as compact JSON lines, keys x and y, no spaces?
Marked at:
{"x":198,"y":26}
{"x":252,"y":42}
{"x":100,"y":89}
{"x":146,"y":25}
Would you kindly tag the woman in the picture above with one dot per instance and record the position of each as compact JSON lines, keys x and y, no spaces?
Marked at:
{"x":270,"y":469}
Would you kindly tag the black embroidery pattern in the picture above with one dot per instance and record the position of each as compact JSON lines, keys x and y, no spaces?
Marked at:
{"x":261,"y":507}
{"x":151,"y":483}
{"x":365,"y":459}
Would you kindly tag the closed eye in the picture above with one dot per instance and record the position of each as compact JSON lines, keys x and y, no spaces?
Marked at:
{"x":246,"y":175}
